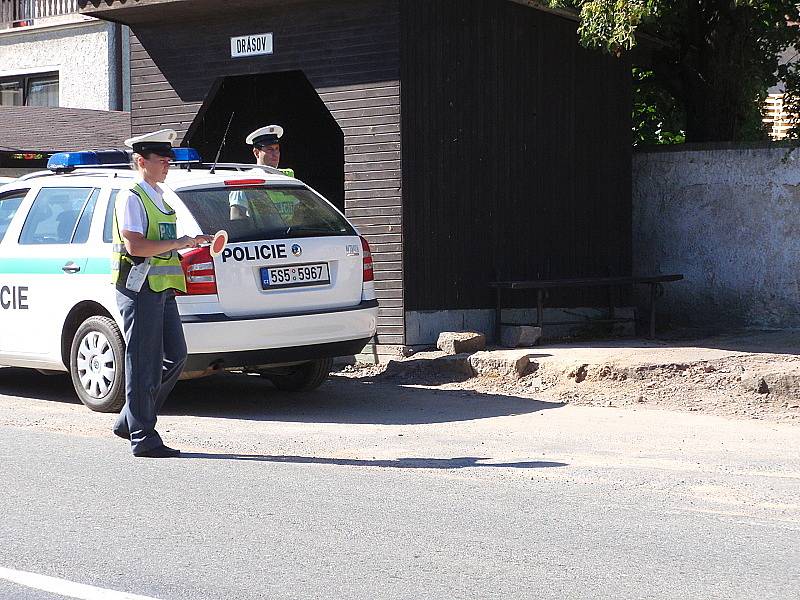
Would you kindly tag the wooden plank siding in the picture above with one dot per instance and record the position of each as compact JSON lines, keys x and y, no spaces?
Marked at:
{"x":516,"y":154}
{"x":349,"y":51}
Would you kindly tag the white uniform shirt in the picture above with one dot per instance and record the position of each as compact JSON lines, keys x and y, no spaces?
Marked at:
{"x":239,"y":198}
{"x":131,"y":214}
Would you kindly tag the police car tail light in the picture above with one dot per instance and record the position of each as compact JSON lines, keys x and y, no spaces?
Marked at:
{"x":198,"y":266}
{"x":236,"y":182}
{"x":369,"y":274}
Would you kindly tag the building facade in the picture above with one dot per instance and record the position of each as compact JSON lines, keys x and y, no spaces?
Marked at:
{"x":467,"y":139}
{"x":63,"y":80}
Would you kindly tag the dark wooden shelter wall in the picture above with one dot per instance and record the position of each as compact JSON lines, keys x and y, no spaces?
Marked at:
{"x":348,"y":50}
{"x":516,"y":153}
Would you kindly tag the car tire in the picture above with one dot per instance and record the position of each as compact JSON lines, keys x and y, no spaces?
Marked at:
{"x":97,"y":364}
{"x":302,"y":378}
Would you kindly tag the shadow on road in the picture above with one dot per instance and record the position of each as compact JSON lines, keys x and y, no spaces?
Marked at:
{"x":399,"y":463}
{"x":339,"y":400}
{"x":768,"y":342}
{"x":786,"y":341}
{"x":29,"y":383}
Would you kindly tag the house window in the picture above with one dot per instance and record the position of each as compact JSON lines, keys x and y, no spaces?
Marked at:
{"x":29,"y":90}
{"x":10,"y":93}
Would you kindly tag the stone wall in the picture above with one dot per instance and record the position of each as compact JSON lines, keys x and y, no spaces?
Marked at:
{"x":729,"y":220}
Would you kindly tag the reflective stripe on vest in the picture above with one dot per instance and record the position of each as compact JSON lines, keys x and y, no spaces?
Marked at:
{"x":165,"y":270}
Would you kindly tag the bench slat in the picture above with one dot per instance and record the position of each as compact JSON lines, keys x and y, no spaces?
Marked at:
{"x":533,"y":284}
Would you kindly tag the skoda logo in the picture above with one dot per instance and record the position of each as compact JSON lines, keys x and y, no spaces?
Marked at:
{"x":296,"y":249}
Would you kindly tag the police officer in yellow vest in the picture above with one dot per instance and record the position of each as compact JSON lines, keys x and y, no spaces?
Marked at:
{"x":267,"y":150}
{"x":146,"y":271}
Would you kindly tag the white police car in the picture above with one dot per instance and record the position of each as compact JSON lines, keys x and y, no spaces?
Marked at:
{"x":292,"y":289}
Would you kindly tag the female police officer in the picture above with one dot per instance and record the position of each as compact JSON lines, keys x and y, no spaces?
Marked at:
{"x":146,"y":271}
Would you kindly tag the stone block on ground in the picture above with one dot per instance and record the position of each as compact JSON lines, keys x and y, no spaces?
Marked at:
{"x":754,"y":382}
{"x":455,"y":363}
{"x":381,"y":354}
{"x":501,"y":363}
{"x":777,"y":380}
{"x":520,"y":336}
{"x":452,"y":342}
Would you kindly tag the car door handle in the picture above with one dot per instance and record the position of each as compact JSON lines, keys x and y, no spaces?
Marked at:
{"x":70,"y":267}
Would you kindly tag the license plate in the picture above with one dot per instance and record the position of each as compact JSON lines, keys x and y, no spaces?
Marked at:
{"x":294,"y":276}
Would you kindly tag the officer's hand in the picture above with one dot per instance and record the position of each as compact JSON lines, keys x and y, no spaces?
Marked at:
{"x":203,"y":239}
{"x":185,"y":242}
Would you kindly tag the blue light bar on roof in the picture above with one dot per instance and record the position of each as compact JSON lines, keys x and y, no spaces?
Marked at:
{"x":186,"y":155}
{"x":67,"y":161}
{"x":72,"y":160}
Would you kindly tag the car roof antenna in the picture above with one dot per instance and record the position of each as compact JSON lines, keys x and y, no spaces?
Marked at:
{"x":222,"y":144}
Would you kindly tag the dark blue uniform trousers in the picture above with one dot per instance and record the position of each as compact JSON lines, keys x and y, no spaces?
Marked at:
{"x":155,"y":354}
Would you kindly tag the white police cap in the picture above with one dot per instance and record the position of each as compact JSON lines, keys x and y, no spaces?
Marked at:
{"x":265,"y":136}
{"x":158,"y":142}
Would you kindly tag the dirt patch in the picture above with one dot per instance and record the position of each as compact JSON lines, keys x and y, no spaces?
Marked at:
{"x":707,"y":377}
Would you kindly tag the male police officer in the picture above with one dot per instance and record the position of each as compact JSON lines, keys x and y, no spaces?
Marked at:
{"x":267,"y":150}
{"x":146,"y":271}
{"x":267,"y":146}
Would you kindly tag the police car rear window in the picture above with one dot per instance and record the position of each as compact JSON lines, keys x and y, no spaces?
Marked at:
{"x":54,"y":215}
{"x":9,"y":203}
{"x":81,"y":235}
{"x":109,"y":220}
{"x":260,"y":212}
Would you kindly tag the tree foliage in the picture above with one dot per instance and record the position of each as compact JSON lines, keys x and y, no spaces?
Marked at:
{"x":714,"y":58}
{"x":657,"y":117}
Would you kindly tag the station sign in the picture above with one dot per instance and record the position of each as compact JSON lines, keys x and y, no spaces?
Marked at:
{"x":251,"y":45}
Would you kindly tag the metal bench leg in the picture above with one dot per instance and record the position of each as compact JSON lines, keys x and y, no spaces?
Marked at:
{"x":652,"y":311}
{"x":540,"y":308}
{"x":611,"y":303}
{"x":497,"y":319}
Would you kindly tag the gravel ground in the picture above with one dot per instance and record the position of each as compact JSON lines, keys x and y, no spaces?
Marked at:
{"x":409,"y":481}
{"x":747,"y":375}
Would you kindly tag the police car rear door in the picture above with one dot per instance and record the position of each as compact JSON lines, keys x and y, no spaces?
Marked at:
{"x":13,"y":291}
{"x":49,"y":262}
{"x":289,"y":250}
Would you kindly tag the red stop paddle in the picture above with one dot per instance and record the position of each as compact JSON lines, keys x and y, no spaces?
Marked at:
{"x":219,"y":242}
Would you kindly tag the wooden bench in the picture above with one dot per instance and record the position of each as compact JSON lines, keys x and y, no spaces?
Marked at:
{"x":541,"y":285}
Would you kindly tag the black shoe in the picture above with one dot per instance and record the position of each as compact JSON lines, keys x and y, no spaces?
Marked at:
{"x":124,"y":435}
{"x":159,"y":452}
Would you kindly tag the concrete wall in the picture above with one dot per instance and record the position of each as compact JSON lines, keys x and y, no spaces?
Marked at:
{"x":79,"y":48}
{"x":729,"y":220}
{"x":424,"y":326}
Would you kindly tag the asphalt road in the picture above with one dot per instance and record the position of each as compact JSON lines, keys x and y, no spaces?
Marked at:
{"x":365,"y":489}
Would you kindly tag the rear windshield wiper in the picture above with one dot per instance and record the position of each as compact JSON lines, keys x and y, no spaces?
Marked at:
{"x":300,"y":231}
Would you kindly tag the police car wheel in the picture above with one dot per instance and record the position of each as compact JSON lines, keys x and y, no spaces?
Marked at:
{"x":302,"y":378}
{"x":97,"y":364}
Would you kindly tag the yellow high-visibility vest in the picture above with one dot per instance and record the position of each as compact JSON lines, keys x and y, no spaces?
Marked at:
{"x":165,"y":270}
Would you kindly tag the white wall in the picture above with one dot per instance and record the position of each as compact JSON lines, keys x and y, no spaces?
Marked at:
{"x":729,"y":220}
{"x":77,"y":47}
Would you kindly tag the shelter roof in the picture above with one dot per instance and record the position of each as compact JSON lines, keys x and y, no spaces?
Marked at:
{"x":135,"y":12}
{"x":46,"y":129}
